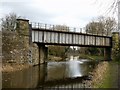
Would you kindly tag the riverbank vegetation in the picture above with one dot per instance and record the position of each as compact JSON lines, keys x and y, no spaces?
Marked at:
{"x":110,"y":77}
{"x":91,"y":57}
{"x":98,"y":74}
{"x":57,"y":53}
{"x":105,"y":75}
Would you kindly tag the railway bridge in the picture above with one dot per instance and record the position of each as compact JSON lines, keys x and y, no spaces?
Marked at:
{"x":44,"y":34}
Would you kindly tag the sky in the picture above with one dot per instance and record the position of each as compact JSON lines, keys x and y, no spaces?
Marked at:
{"x":73,"y":13}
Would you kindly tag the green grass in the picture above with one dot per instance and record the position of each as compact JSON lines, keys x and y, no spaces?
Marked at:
{"x":110,"y":79}
{"x":92,"y":57}
{"x":106,"y":83}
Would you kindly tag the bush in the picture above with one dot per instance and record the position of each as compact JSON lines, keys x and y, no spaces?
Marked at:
{"x":59,"y":51}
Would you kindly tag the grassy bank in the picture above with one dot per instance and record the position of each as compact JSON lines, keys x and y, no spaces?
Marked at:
{"x":92,"y":57}
{"x":110,"y":79}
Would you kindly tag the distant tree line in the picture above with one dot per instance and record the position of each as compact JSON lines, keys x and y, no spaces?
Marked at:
{"x":101,"y":26}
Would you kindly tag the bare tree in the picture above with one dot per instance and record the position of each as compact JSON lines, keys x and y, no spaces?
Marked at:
{"x":102,"y":25}
{"x":9,"y":22}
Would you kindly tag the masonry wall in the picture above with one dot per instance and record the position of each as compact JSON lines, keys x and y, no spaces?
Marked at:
{"x":16,"y":46}
{"x":0,"y":47}
{"x":115,"y":39}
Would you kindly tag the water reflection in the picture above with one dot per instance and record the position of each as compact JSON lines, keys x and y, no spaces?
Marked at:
{"x":27,"y":78}
{"x":74,"y":69}
{"x":52,"y":71}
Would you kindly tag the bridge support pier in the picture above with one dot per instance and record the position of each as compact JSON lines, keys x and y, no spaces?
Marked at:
{"x":43,"y":53}
{"x":107,"y":54}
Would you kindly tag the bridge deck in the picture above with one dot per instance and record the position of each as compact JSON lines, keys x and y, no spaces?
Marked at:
{"x":53,"y":37}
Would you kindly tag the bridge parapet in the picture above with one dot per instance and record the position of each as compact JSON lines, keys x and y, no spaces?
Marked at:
{"x":61,"y":28}
{"x":55,"y":27}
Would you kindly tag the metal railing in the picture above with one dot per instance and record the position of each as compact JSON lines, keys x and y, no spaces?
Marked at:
{"x":63,"y":28}
{"x":56,"y":27}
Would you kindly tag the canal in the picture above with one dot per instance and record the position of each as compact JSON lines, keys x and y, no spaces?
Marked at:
{"x":64,"y":74}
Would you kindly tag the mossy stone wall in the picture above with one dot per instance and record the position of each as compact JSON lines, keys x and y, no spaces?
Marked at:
{"x":17,"y":46}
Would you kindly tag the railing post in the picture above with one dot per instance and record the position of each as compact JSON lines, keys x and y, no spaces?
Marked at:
{"x":53,"y":27}
{"x":74,"y":29}
{"x":45,"y":26}
{"x":59,"y":28}
{"x":38,"y":25}
{"x":86,"y":32}
{"x":80,"y":30}
{"x":35,"y":24}
{"x":66,"y":28}
{"x":50,"y":26}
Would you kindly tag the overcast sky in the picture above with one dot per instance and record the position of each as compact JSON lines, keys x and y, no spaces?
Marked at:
{"x":74,"y":13}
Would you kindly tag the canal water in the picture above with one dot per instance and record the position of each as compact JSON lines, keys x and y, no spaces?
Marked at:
{"x":52,"y":74}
